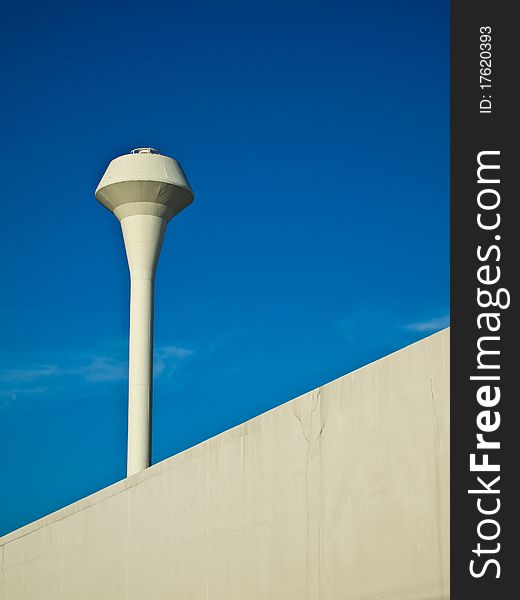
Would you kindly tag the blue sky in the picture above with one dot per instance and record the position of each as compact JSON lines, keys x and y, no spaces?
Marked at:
{"x":316,"y":138}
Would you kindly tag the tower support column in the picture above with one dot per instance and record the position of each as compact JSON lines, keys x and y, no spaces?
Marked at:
{"x":143,"y":235}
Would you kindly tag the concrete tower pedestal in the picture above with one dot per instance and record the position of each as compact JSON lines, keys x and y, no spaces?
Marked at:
{"x":144,"y":190}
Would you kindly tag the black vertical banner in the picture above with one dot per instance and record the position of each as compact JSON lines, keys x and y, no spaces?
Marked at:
{"x":485,"y":261}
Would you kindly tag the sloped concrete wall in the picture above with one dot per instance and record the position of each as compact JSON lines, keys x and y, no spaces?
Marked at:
{"x":340,"y":494}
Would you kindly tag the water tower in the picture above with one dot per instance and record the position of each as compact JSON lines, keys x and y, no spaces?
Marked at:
{"x":144,"y":190}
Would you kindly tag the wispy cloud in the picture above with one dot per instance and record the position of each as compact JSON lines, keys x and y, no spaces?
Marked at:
{"x":102,"y":368}
{"x":39,"y":378}
{"x":167,"y":358}
{"x":14,"y":392}
{"x":430,"y":325}
{"x":30,"y":374}
{"x":385,"y":331}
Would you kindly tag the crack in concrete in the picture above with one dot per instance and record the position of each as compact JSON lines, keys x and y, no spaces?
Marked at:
{"x":309,"y":440}
{"x":436,"y":459}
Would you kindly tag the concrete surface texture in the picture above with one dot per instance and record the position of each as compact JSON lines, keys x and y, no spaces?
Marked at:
{"x":342,"y":493}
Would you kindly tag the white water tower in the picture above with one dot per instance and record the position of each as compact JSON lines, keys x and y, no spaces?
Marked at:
{"x":144,"y":190}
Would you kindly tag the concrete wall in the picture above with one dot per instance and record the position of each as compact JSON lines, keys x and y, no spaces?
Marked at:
{"x":342,"y":493}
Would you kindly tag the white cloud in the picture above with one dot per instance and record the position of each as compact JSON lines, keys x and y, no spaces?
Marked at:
{"x":16,"y":381}
{"x":167,"y":358}
{"x":36,"y":372}
{"x":431,"y":325}
{"x":102,"y":368}
{"x":13,"y":393}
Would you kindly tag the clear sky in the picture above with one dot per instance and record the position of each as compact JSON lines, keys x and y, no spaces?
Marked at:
{"x":316,"y":138}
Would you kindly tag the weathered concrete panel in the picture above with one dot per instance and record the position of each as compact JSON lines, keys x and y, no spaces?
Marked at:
{"x":340,"y":494}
